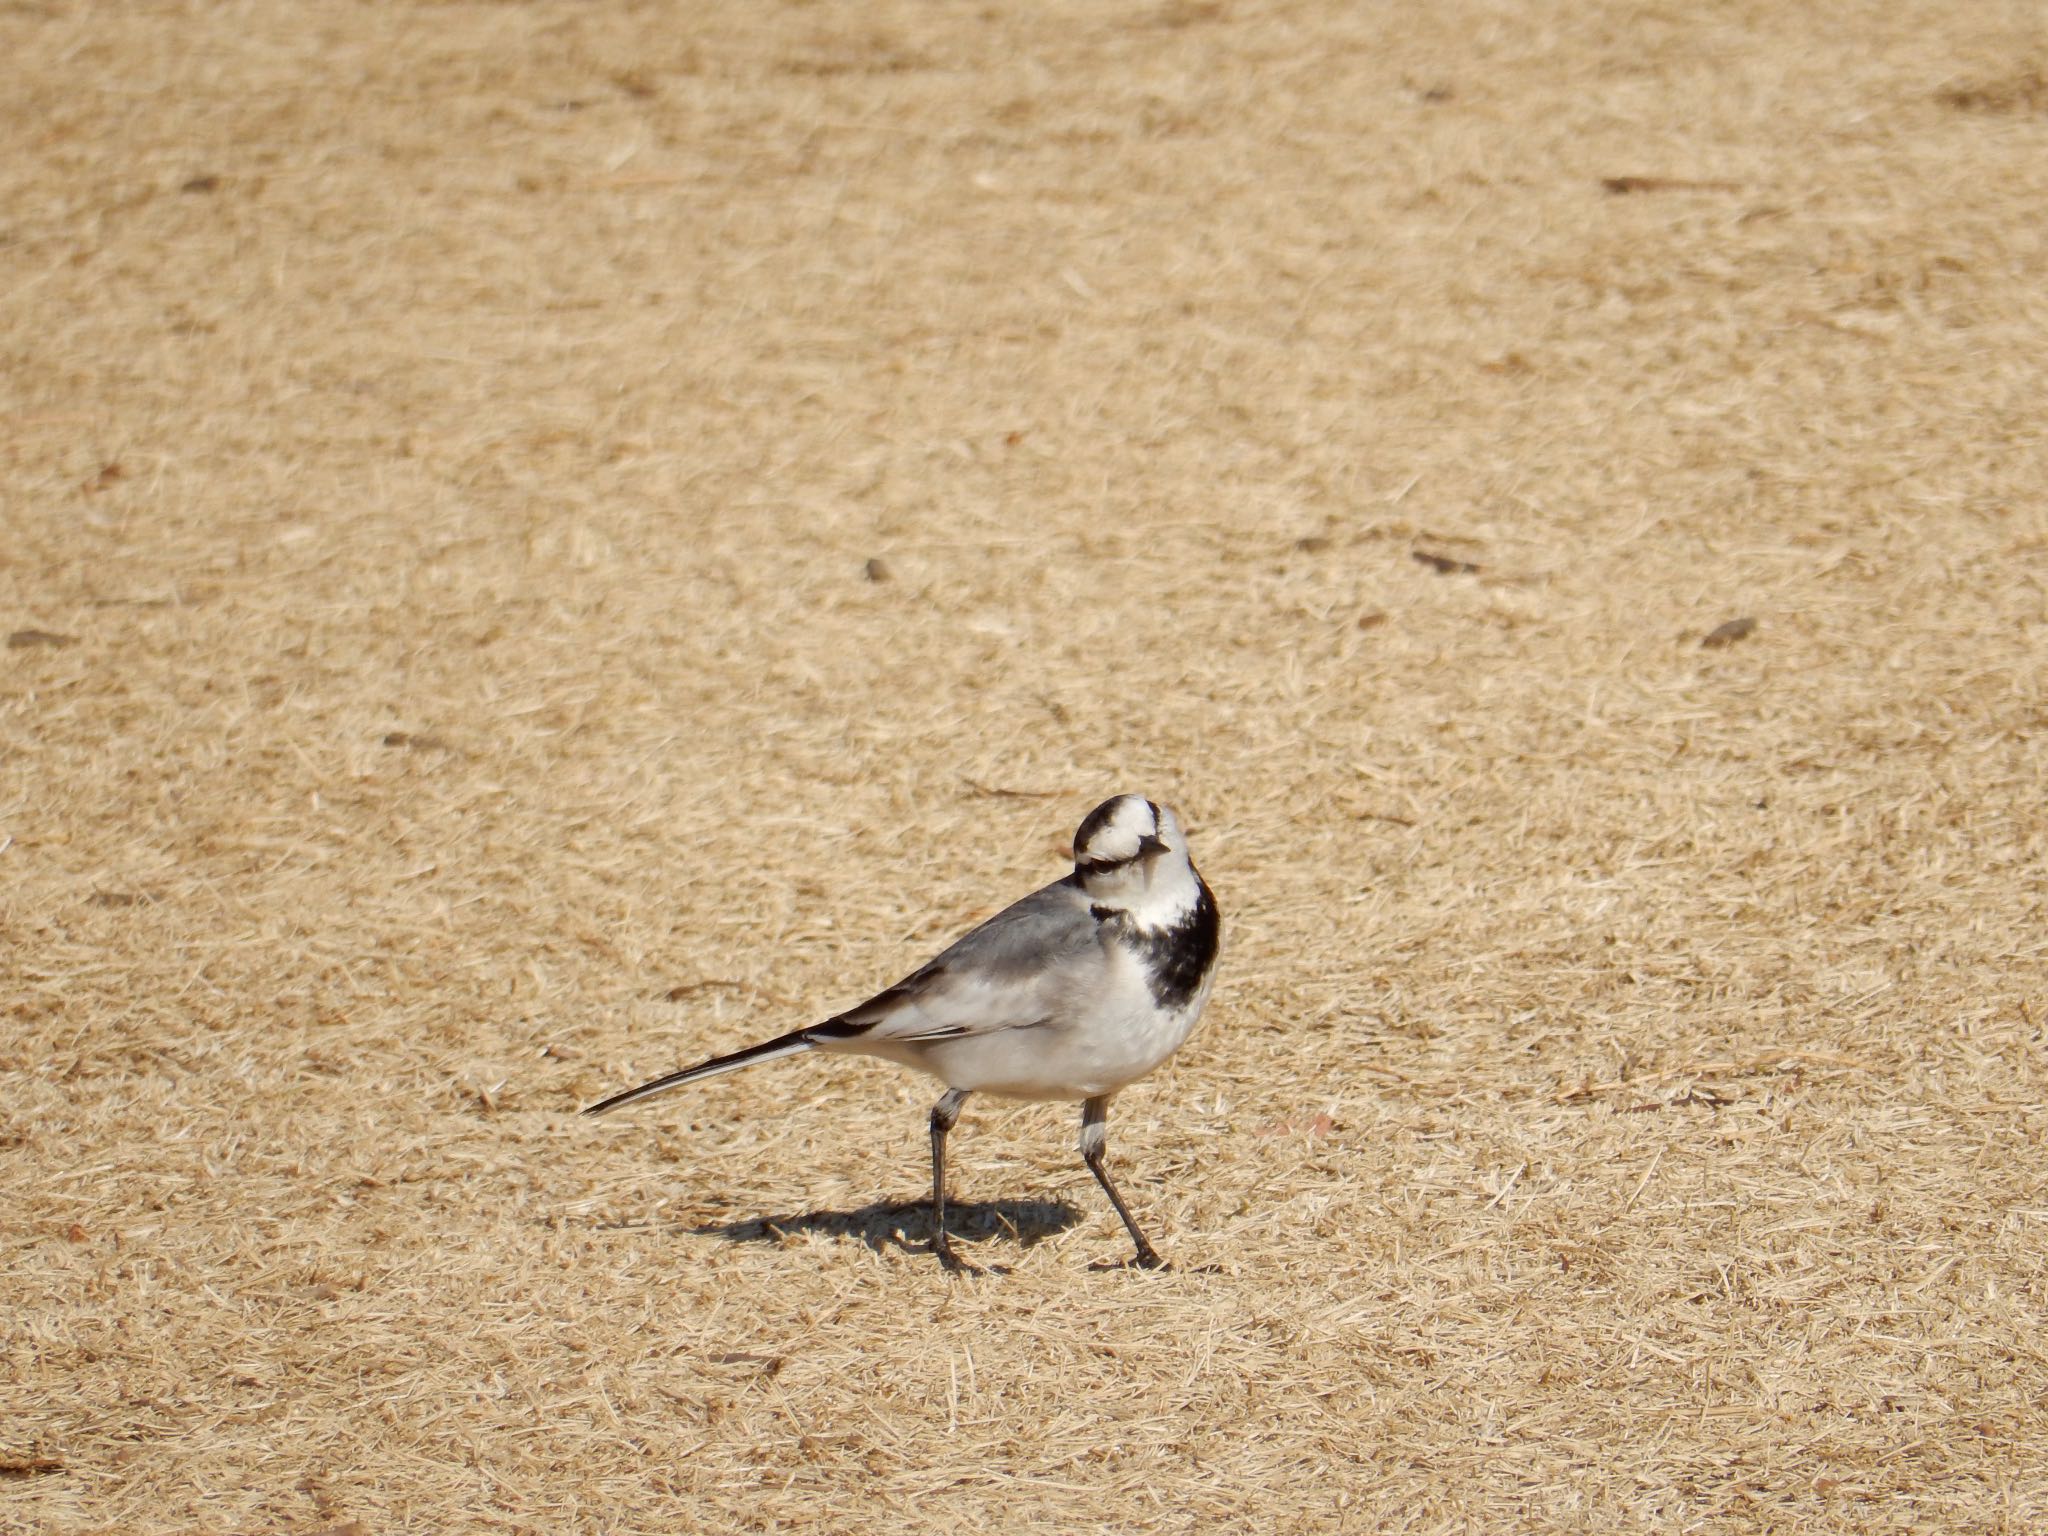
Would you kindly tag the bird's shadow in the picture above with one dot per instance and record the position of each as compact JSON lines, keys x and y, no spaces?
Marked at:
{"x":907,"y":1224}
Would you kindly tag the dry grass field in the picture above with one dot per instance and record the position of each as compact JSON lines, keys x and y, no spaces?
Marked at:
{"x":544,"y":540}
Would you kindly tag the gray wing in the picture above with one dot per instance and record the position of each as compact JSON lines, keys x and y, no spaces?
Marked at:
{"x":1014,"y":970}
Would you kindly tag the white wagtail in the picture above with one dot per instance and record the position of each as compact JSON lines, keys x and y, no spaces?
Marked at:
{"x":1074,"y":992}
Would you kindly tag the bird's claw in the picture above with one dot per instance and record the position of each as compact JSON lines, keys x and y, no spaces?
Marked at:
{"x":1144,"y":1260}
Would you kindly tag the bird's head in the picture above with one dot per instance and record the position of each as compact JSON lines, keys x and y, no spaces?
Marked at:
{"x":1131,"y":856}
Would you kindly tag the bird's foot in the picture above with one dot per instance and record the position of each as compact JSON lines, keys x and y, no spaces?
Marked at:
{"x":1144,"y":1258}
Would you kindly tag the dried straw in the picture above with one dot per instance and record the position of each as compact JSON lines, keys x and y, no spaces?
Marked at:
{"x":544,"y":540}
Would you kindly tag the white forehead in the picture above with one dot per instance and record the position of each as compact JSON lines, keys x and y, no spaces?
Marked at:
{"x":1114,"y":827}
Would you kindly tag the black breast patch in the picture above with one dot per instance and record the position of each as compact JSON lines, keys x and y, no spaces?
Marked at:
{"x":1177,"y":958}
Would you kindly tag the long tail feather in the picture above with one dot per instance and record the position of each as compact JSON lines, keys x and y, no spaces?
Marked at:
{"x":787,"y":1045}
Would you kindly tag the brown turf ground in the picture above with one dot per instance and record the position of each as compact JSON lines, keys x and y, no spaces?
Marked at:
{"x":545,"y":540}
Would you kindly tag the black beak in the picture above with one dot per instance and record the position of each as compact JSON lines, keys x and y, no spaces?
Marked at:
{"x":1148,"y":845}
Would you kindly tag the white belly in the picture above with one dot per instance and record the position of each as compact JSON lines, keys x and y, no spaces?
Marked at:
{"x":1112,"y":1039}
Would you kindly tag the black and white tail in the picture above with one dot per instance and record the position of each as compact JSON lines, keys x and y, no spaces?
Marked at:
{"x":797,"y":1040}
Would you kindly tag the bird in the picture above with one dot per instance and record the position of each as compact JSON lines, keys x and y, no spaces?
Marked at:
{"x":1071,"y":994}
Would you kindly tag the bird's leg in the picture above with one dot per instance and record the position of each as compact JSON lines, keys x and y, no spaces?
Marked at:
{"x":944,"y":1113}
{"x":1094,"y":1133}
